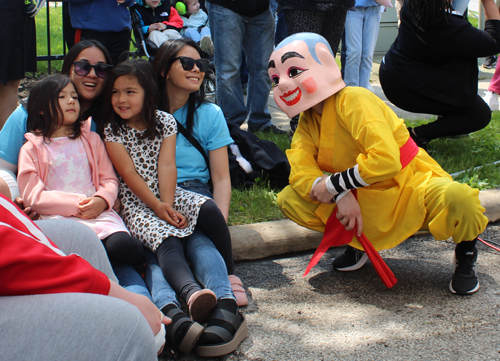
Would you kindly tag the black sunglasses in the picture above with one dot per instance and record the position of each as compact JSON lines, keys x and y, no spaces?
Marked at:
{"x":188,"y":63}
{"x":83,"y":68}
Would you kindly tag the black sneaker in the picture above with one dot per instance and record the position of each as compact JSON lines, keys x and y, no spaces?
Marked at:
{"x":351,"y":260}
{"x":272,"y":128}
{"x":421,"y":142}
{"x":464,"y":280}
{"x":490,"y":62}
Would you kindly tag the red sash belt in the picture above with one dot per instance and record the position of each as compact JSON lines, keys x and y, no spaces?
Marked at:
{"x":336,"y":234}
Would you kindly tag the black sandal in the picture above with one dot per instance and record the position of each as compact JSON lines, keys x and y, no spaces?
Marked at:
{"x":230,"y":341}
{"x":191,"y":336}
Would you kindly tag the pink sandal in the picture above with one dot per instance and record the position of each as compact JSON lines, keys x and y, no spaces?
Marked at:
{"x":238,"y":290}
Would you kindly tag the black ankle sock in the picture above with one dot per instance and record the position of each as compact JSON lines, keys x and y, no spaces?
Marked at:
{"x":467,"y":246}
{"x":211,"y":338}
{"x":182,"y":330}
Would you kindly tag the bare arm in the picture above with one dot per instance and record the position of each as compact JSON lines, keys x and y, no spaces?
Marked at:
{"x":221,"y":180}
{"x":491,"y":11}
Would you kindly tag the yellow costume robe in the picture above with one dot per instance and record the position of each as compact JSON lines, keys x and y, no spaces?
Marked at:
{"x":356,"y":127}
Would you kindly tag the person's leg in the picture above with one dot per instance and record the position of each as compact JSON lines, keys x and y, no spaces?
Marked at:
{"x":354,"y":43}
{"x":192,"y":34}
{"x":258,"y":44}
{"x":454,"y":120}
{"x":162,"y":293}
{"x":131,"y":280}
{"x":304,"y":213}
{"x":175,"y":269}
{"x":209,"y":266}
{"x":369,"y":40}
{"x":333,"y":27}
{"x":123,"y":248}
{"x":281,"y":30}
{"x":157,"y":37}
{"x":74,"y":237}
{"x":212,"y":223}
{"x":227,"y":36}
{"x":8,"y":100}
{"x":454,"y":210}
{"x":495,"y":81}
{"x":73,"y":326}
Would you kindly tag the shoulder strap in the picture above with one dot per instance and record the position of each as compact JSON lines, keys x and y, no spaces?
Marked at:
{"x":193,"y":141}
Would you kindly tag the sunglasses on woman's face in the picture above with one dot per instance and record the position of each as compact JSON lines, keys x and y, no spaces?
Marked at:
{"x":188,"y":63}
{"x":83,"y":68}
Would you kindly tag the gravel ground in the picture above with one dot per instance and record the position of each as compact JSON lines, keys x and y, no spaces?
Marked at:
{"x":352,"y":316}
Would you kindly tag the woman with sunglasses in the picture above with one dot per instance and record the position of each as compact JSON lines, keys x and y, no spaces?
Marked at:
{"x":179,"y":71}
{"x":87,"y":65}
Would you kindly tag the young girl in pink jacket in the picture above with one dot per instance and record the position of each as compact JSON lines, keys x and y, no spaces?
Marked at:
{"x":65,"y":172}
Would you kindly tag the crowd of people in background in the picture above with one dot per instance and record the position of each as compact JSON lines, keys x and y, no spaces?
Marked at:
{"x":123,"y":164}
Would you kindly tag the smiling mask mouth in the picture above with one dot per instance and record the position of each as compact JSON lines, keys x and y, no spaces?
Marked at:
{"x":292,"y":97}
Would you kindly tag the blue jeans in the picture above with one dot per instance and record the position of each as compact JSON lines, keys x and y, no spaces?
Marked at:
{"x":361,"y":32}
{"x":209,"y":265}
{"x":255,"y":35}
{"x":154,"y":286}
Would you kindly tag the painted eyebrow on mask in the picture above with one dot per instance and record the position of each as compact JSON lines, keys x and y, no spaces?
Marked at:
{"x":271,"y":64}
{"x":290,"y":54}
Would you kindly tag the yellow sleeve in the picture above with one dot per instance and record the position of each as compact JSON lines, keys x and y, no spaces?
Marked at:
{"x":303,"y":157}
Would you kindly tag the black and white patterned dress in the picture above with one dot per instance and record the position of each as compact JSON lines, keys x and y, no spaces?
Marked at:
{"x":141,"y":221}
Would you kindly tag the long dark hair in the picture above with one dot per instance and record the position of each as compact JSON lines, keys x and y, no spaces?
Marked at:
{"x":430,"y":13}
{"x":44,"y":113}
{"x":162,"y":64}
{"x":96,"y":107}
{"x":142,"y":70}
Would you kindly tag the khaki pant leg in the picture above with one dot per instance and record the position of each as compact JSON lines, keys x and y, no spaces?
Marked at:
{"x":453,"y":210}
{"x":306,"y":214}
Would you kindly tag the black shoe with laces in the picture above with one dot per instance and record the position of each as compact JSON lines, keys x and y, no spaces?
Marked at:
{"x":464,"y":280}
{"x":490,"y":62}
{"x":351,"y":260}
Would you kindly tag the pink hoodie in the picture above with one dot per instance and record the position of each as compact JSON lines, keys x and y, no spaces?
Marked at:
{"x":33,"y":169}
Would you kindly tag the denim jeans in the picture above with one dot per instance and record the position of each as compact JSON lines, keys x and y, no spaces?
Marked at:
{"x":361,"y":32}
{"x":208,"y":264}
{"x":230,"y":33}
{"x":154,"y":286}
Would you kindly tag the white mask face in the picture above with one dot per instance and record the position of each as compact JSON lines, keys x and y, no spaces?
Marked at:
{"x":460,"y":5}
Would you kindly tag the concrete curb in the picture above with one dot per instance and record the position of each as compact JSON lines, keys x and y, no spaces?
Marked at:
{"x":261,"y":240}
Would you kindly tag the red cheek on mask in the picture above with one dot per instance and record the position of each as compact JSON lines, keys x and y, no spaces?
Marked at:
{"x":309,"y":85}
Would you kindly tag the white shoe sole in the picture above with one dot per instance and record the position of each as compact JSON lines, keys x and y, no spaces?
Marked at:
{"x":356,"y":266}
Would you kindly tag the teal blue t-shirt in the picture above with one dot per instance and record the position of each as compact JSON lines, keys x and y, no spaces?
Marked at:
{"x":210,"y":130}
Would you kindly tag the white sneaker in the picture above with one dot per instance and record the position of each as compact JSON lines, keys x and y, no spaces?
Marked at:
{"x":491,"y":99}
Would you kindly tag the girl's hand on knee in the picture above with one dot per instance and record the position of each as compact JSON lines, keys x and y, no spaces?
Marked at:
{"x":166,"y":212}
{"x":349,"y":213}
{"x":91,"y":207}
{"x":182,"y":220}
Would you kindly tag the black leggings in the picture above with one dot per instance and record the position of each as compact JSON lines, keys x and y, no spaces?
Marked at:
{"x":121,"y":247}
{"x":452,"y":120}
{"x":170,"y":253}
{"x":329,"y":23}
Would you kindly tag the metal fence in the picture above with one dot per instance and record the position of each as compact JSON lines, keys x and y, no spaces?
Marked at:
{"x":52,"y":57}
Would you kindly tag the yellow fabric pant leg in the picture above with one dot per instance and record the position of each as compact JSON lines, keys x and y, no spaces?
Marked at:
{"x":453,"y":210}
{"x":307,"y":214}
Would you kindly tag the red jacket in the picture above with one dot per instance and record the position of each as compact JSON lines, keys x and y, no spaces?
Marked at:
{"x":31,"y":264}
